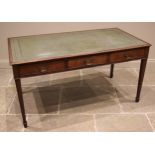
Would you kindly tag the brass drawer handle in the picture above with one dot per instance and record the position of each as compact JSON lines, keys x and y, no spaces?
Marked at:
{"x":127,"y":56}
{"x":43,"y":69}
{"x":89,"y":62}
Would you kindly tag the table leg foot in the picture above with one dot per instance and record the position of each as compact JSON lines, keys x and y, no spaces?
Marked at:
{"x":25,"y":124}
{"x":112,"y":71}
{"x":137,"y":99}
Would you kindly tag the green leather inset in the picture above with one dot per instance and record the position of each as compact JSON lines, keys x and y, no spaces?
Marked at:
{"x":31,"y":48}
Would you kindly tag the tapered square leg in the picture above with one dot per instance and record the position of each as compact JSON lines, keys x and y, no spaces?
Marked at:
{"x":141,"y":77}
{"x":21,"y":102}
{"x":111,"y":70}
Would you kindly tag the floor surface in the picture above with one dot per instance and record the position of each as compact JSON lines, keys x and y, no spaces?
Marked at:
{"x":82,"y":100}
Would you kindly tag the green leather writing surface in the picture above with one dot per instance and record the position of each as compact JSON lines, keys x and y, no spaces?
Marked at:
{"x":46,"y":46}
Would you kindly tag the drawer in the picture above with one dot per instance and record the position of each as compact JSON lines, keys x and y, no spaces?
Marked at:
{"x":127,"y":55}
{"x":83,"y":62}
{"x":41,"y":68}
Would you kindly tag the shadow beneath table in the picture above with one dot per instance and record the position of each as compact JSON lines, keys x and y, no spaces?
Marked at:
{"x":72,"y":92}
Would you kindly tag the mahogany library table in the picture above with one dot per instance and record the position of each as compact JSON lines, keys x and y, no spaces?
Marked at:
{"x":58,"y":52}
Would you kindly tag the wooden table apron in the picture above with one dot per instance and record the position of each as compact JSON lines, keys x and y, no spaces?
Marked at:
{"x":67,"y":63}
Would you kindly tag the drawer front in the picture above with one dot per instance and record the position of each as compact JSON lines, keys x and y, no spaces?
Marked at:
{"x":127,"y":55}
{"x":87,"y":61}
{"x":41,"y":68}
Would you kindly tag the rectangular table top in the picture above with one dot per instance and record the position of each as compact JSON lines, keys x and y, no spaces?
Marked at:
{"x":50,"y":46}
